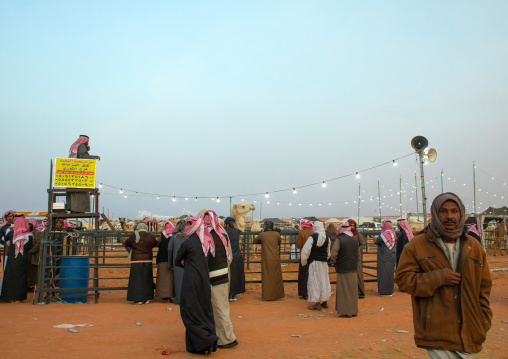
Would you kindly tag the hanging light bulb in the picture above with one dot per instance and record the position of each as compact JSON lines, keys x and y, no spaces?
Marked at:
{"x":100,"y":185}
{"x":218,"y":199}
{"x":294,"y":190}
{"x":157,"y":197}
{"x":174,"y":199}
{"x":186,"y":198}
{"x":255,"y":201}
{"x":357,"y":175}
{"x":125,"y":196}
{"x":394,"y":163}
{"x":267,"y":195}
{"x":242,"y":199}
{"x":299,"y":204}
{"x":323,"y":184}
{"x":121,"y":190}
{"x":268,"y":202}
{"x":311,"y":204}
{"x":278,"y":203}
{"x":330,"y":204}
{"x":290,"y":203}
{"x":196,"y":199}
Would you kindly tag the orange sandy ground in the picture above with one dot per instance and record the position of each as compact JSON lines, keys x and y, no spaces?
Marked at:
{"x":264,"y":329}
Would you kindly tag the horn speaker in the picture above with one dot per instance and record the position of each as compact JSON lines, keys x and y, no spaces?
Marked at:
{"x":419,"y":143}
{"x":432,"y":155}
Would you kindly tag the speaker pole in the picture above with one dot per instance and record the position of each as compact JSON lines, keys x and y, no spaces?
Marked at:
{"x":359,"y":199}
{"x":422,"y":182}
{"x":416,"y":193}
{"x":474,"y":186}
{"x":379,"y":198}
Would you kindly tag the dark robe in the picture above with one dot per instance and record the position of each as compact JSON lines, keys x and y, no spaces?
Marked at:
{"x":164,"y":284}
{"x":33,"y":267}
{"x":237,"y":279}
{"x":386,"y":259}
{"x":15,"y":277}
{"x":402,"y":240}
{"x":303,"y":270}
{"x":79,"y":201}
{"x":196,"y":296}
{"x":3,"y":230}
{"x":140,"y":287}
{"x":173,"y":247}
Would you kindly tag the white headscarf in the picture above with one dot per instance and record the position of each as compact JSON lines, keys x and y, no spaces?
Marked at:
{"x":319,"y":228}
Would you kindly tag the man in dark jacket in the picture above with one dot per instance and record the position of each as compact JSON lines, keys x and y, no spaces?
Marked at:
{"x":446,"y":273}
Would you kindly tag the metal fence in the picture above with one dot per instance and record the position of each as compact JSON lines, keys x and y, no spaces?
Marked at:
{"x":107,"y":255}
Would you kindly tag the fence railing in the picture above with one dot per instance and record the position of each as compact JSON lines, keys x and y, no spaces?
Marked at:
{"x":107,"y":257}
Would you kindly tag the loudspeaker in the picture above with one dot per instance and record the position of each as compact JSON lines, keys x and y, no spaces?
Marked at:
{"x":419,"y":143}
{"x":432,"y":155}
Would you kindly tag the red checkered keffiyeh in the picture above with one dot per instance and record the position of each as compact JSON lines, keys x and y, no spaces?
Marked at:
{"x":388,"y":233}
{"x":21,"y":235}
{"x":472,"y":228}
{"x":168,"y":229}
{"x":73,"y":151}
{"x":344,"y":227}
{"x":305,"y":223}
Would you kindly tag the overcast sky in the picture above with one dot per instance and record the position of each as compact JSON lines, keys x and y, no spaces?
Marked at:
{"x":225,"y":98}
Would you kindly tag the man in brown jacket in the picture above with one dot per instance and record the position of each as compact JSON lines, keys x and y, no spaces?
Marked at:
{"x":446,"y":273}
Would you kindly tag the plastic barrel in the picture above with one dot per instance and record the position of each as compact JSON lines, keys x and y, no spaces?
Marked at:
{"x":74,"y":277}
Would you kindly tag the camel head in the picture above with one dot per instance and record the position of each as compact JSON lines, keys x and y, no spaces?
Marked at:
{"x":242,"y":208}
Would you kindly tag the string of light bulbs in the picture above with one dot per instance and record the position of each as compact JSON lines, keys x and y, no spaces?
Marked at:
{"x":266,"y":193}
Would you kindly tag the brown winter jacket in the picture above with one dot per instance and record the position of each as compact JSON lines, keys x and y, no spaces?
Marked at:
{"x":303,"y":235}
{"x":451,"y":318}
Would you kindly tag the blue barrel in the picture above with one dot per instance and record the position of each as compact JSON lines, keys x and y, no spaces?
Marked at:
{"x":72,"y":277}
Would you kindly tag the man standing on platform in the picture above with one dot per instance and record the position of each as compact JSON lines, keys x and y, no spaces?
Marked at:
{"x":303,"y":270}
{"x":446,"y":273}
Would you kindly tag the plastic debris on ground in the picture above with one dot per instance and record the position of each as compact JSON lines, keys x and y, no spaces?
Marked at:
{"x":504,"y":321}
{"x":169,"y":308}
{"x":138,"y":324}
{"x":296,"y":335}
{"x":165,"y":353}
{"x":382,"y":309}
{"x":68,"y":326}
{"x":401,"y":331}
{"x":73,"y":330}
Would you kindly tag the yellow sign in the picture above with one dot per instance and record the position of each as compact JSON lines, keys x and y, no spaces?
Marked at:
{"x":74,"y":172}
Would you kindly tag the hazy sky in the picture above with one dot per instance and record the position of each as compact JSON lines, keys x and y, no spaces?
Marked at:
{"x":224,"y":98}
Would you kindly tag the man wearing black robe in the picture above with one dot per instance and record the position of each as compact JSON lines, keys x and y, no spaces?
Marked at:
{"x":237,"y":279}
{"x":196,"y":297}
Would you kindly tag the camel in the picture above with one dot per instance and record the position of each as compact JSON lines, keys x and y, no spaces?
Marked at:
{"x":238,"y":213}
{"x":499,"y":235}
{"x":128,"y":227}
{"x":256,"y":227}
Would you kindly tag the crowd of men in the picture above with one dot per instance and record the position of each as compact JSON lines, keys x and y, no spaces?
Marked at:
{"x":200,"y":267}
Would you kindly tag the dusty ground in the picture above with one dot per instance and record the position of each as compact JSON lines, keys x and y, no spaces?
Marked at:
{"x":264,"y":329}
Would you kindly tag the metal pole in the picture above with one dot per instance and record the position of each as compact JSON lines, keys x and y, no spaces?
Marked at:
{"x":442,"y":191}
{"x":474,"y":186}
{"x":416,"y":192}
{"x":379,"y":200}
{"x":260,"y":210}
{"x":400,"y":196}
{"x":422,"y":182}
{"x":230,"y":206}
{"x":359,"y":198}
